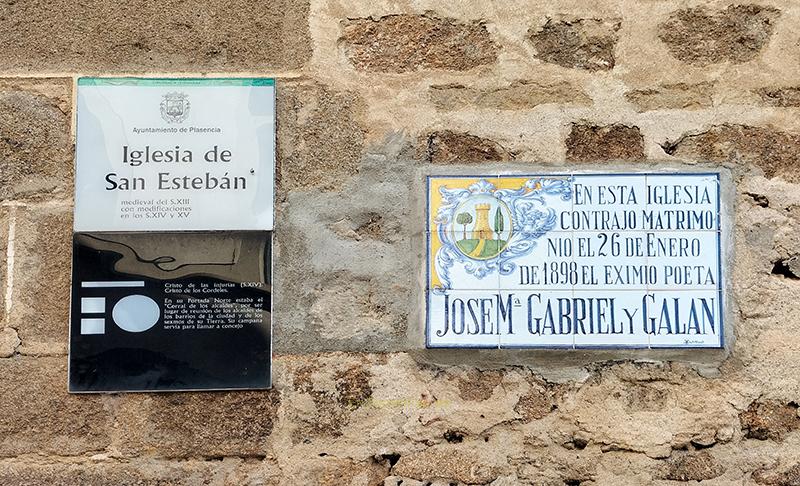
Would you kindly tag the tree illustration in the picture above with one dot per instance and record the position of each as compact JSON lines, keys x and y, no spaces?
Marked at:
{"x":498,"y":222}
{"x":464,"y":219}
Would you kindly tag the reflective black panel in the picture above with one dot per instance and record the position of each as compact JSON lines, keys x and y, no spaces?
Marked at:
{"x":170,"y":311}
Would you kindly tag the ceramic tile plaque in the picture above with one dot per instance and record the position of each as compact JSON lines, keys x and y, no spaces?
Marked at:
{"x":575,"y":261}
{"x":172,"y":248}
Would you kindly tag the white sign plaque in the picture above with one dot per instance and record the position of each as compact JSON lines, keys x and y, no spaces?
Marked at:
{"x":172,"y":248}
{"x":175,"y":154}
{"x":575,"y":261}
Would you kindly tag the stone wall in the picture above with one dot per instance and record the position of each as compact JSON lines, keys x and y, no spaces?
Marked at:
{"x":372,"y":95}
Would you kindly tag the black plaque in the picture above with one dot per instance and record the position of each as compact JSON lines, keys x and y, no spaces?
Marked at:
{"x":170,"y":311}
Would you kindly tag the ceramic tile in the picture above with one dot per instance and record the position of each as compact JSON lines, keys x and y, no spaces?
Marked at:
{"x":543,"y":265}
{"x":449,"y":196}
{"x":684,"y":260}
{"x":535,"y":201}
{"x":682,"y":202}
{"x":606,"y":202}
{"x":463,"y":318}
{"x":610,"y":260}
{"x":478,"y":245}
{"x":536,"y":319}
{"x":459,"y":263}
{"x":590,"y":260}
{"x":531,"y":196}
{"x":684,"y":318}
{"x":609,"y":319}
{"x":470,"y":228}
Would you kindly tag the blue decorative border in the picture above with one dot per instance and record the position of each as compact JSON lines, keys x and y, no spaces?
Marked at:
{"x":720,"y":290}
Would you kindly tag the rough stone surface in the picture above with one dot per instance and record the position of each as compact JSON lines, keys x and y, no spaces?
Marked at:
{"x":672,"y":96}
{"x":365,"y":309}
{"x":769,"y":419}
{"x":35,"y":145}
{"x":519,"y":95}
{"x":5,"y":222}
{"x":736,"y":34}
{"x":448,"y":464}
{"x":331,"y":407}
{"x":367,"y":226}
{"x":591,"y":143}
{"x":539,"y":402}
{"x":107,"y":473}
{"x":342,"y":274}
{"x":335,"y":471}
{"x":632,"y":395}
{"x":787,"y":97}
{"x":319,"y":140}
{"x":38,"y":416}
{"x":8,"y":342}
{"x":403,"y":43}
{"x":478,"y":386}
{"x":698,"y":466}
{"x":190,"y":424}
{"x":789,"y":477}
{"x":43,"y":249}
{"x":581,"y":43}
{"x":390,"y":94}
{"x":773,"y":151}
{"x":104,"y":37}
{"x":451,"y":147}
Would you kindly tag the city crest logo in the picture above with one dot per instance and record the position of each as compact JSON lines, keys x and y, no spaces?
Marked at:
{"x":175,"y":107}
{"x":480,"y":239}
{"x":483,"y":228}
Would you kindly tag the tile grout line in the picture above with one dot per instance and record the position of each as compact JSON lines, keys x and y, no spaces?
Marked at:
{"x":12,"y":226}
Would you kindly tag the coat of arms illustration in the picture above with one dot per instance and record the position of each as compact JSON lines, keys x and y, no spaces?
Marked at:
{"x":175,"y":107}
{"x":483,"y":228}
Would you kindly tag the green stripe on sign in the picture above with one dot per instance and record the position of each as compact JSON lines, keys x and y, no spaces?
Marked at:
{"x":176,"y":82}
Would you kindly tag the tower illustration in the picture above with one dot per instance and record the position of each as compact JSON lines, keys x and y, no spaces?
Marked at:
{"x":482,"y":229}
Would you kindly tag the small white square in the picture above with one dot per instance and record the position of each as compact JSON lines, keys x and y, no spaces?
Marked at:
{"x":93,"y":326}
{"x":93,"y":305}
